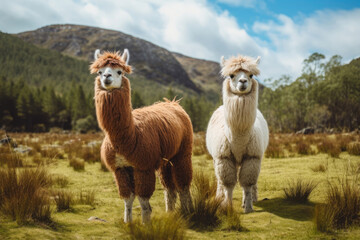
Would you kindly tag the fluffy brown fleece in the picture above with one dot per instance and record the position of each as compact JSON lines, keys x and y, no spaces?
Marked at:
{"x":235,"y":64}
{"x":111,"y":59}
{"x":157,"y":137}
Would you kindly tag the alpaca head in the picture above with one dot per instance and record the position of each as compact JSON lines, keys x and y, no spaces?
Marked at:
{"x":111,"y":67}
{"x":240,"y":71}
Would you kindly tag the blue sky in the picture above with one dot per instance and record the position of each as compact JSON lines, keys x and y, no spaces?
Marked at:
{"x":283,"y":33}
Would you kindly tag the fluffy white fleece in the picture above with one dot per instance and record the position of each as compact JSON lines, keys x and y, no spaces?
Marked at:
{"x":237,"y":137}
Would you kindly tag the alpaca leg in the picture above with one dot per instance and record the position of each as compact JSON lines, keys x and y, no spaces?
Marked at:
{"x":125,"y":181}
{"x":248,"y":175}
{"x":182,"y":176}
{"x":170,"y":188}
{"x":144,"y":188}
{"x":254,"y":193}
{"x":225,"y":171}
{"x":145,"y":209}
{"x":128,"y":208}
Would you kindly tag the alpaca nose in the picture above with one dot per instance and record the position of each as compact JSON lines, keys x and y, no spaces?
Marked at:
{"x":242,"y":80}
{"x":107,"y":81}
{"x":107,"y":75}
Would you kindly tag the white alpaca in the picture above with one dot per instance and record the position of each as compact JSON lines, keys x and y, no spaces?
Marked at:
{"x":238,"y":135}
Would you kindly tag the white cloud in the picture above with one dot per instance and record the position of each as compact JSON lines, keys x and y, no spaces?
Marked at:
{"x":327,"y":32}
{"x":197,"y":29}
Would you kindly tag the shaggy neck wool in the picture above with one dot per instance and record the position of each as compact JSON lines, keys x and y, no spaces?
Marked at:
{"x":240,"y":110}
{"x":114,"y":114}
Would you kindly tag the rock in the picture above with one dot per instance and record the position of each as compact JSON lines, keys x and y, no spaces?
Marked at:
{"x":307,"y":130}
{"x":22,"y":149}
{"x":93,"y":218}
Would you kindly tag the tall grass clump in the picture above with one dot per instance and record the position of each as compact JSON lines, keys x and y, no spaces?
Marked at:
{"x":169,"y":226}
{"x":63,"y":200}
{"x":86,"y":197}
{"x":9,"y":158}
{"x":299,"y":191}
{"x":199,"y":145}
{"x":341,"y":208}
{"x":23,"y":195}
{"x":274,"y":151}
{"x":353,"y":148}
{"x":303,"y":148}
{"x":77,"y":164}
{"x":231,"y":220}
{"x":330,"y":147}
{"x":205,"y":213}
{"x":319,"y":168}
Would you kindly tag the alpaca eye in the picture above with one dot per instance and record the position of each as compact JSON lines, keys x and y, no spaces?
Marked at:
{"x":119,"y":72}
{"x":231,"y":75}
{"x":251,"y":75}
{"x":99,"y":72}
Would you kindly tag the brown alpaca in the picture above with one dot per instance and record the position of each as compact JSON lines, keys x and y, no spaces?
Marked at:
{"x":139,"y":142}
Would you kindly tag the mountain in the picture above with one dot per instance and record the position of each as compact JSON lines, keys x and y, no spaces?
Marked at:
{"x":150,"y":61}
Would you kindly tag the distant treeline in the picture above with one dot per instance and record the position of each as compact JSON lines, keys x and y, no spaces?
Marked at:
{"x":326,"y":95}
{"x":25,"y":108}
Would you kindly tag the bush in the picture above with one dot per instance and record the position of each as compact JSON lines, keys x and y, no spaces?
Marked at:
{"x":353,"y":148}
{"x":169,"y":226}
{"x":299,"y":191}
{"x":341,"y":208}
{"x":23,"y":195}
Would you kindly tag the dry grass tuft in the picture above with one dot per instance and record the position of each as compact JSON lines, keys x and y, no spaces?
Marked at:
{"x":274,"y":151}
{"x":63,"y":200}
{"x":319,"y":168}
{"x":61,"y":181}
{"x":342,"y":206}
{"x":353,"y":148}
{"x":206,"y":207}
{"x":231,"y":220}
{"x":23,"y":195}
{"x":169,"y":226}
{"x":330,"y":147}
{"x":303,"y":148}
{"x":9,"y":158}
{"x":199,"y":145}
{"x":299,"y":191}
{"x":86,"y":198}
{"x":77,"y":164}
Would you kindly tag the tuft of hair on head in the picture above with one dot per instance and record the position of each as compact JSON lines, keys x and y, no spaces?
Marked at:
{"x":239,"y":63}
{"x":111,"y":59}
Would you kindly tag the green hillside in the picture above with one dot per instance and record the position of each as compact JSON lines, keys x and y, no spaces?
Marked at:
{"x":42,"y":88}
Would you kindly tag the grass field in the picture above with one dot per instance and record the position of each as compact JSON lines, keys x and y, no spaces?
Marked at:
{"x":93,"y":192}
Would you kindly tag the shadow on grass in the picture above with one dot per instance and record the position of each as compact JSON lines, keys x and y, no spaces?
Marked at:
{"x":286,"y":209}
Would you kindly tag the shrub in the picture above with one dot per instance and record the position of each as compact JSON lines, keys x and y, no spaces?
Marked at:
{"x":299,"y":191}
{"x":23,"y":195}
{"x":353,"y":148}
{"x":169,"y":226}
{"x":77,"y":164}
{"x":341,"y":208}
{"x":63,"y":200}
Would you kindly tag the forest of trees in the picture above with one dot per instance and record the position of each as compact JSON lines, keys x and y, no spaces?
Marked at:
{"x":42,"y":89}
{"x":326,"y":95}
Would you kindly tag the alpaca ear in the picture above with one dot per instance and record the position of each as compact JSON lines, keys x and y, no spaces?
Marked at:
{"x":125,"y":56}
{"x":222,"y":61}
{"x":97,"y":54}
{"x":257,"y":61}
